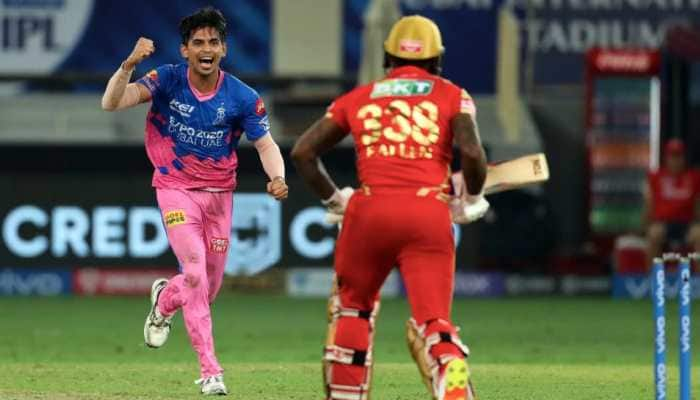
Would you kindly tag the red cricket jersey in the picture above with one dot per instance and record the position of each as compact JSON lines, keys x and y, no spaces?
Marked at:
{"x":401,"y":126}
{"x":673,"y":196}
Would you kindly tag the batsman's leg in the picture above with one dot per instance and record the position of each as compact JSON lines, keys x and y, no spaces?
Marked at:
{"x":427,"y":269}
{"x":334,"y":313}
{"x":361,"y":266}
{"x":441,"y":359}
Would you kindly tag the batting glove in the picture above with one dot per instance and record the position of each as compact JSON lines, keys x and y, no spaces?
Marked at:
{"x":337,"y":203}
{"x":468,"y":208}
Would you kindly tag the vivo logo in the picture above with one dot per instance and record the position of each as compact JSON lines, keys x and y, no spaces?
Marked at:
{"x":638,"y":290}
{"x":660,"y":335}
{"x":31,"y":283}
{"x":659,"y":285}
{"x":685,"y":289}
{"x":474,"y":284}
{"x":661,"y":381}
{"x":685,"y":334}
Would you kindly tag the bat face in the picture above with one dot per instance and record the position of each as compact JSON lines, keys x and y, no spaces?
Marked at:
{"x":511,"y":174}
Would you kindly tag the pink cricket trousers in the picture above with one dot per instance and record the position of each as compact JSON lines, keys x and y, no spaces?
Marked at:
{"x":198,"y":224}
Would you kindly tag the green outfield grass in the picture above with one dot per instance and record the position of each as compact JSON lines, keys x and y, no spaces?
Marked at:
{"x":553,"y":348}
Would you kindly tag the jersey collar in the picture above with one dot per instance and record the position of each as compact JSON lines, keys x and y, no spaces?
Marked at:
{"x":204,"y":96}
{"x":407,"y":71}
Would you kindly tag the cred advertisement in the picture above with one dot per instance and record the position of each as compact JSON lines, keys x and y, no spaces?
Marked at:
{"x":94,"y":206}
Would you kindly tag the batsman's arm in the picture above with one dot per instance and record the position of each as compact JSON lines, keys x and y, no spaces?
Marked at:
{"x":317,"y":140}
{"x":473,"y":159}
{"x":121,"y":94}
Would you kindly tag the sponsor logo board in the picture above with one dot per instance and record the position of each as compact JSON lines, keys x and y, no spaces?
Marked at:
{"x":95,"y":281}
{"x":316,"y":282}
{"x":34,"y":282}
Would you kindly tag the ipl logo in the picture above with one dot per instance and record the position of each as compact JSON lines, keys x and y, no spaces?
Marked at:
{"x":36,"y":37}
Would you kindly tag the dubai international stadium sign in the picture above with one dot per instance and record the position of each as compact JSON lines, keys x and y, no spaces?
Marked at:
{"x":559,"y":32}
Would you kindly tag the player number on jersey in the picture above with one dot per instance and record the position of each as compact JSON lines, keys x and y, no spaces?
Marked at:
{"x":418,"y":122}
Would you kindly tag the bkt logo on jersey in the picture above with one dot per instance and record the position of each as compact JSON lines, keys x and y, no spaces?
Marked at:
{"x":401,"y":87}
{"x":181,"y":108}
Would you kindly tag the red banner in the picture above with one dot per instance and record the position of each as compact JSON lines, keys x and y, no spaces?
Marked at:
{"x":93,"y":281}
{"x":626,"y":62}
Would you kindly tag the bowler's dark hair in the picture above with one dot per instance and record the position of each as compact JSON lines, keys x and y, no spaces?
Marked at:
{"x":207,"y":17}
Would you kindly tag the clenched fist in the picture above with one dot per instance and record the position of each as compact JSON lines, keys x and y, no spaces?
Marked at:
{"x":277,"y":188}
{"x":142,"y":50}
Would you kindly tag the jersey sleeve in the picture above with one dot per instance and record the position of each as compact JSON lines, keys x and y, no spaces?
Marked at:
{"x":256,"y":123}
{"x":466,"y":104}
{"x":338,"y":112}
{"x":158,"y":80}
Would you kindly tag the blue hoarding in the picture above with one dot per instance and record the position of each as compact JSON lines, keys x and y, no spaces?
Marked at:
{"x":35,"y":282}
{"x":42,"y":36}
{"x":636,"y":286}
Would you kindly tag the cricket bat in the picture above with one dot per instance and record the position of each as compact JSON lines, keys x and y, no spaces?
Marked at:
{"x":513,"y":174}
{"x":501,"y":176}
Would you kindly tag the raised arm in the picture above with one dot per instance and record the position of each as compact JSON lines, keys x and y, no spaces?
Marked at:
{"x":473,"y":159}
{"x":121,"y":94}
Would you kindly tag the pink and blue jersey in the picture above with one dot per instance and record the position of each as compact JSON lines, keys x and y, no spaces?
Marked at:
{"x":191,"y":138}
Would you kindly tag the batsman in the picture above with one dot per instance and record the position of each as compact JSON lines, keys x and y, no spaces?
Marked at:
{"x":404,"y":127}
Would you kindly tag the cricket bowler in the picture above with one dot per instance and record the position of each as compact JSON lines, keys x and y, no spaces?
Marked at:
{"x":404,"y":127}
{"x":197,"y":117}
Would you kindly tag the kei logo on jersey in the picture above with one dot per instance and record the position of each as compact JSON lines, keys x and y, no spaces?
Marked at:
{"x":181,"y":108}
